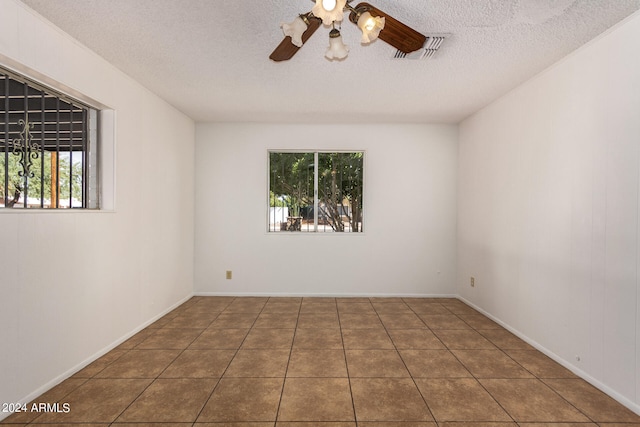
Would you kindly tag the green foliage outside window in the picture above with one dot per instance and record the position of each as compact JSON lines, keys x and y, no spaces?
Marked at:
{"x":40,"y":185}
{"x":340,"y":187}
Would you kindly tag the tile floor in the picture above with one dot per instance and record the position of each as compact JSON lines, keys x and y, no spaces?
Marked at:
{"x":328,"y":362}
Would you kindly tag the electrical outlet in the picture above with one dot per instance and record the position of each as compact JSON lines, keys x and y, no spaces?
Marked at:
{"x":473,"y":281}
{"x":229,"y":274}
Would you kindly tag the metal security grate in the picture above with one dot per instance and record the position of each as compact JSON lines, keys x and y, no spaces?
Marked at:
{"x":43,"y":147}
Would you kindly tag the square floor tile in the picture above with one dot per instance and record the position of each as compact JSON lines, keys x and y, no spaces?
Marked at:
{"x":316,"y":399}
{"x":401,"y":321}
{"x":234,"y":320}
{"x":168,"y":339}
{"x":478,"y":321}
{"x":491,"y":364}
{"x":433,"y":364}
{"x":360,"y":321}
{"x":318,"y":307}
{"x":392,"y":306}
{"x":98,"y":400}
{"x":540,"y":365}
{"x":196,"y":321}
{"x":463,"y":340}
{"x":170,"y":400}
{"x":246,"y":305}
{"x":329,"y":339}
{"x":388,"y":399}
{"x":199,"y":364}
{"x":594,"y":403}
{"x":444,"y":321}
{"x":366,"y":339}
{"x":276,"y":320}
{"x":428,"y":309}
{"x":99,"y":364}
{"x":530,"y":400}
{"x":318,"y":320}
{"x":269,"y":338}
{"x":460,"y":399}
{"x":209,"y":305}
{"x":281,"y":307}
{"x":243,"y":399}
{"x":137,"y":339}
{"x":219,"y":339}
{"x":140,"y":364}
{"x":504,"y":339}
{"x":317,"y":363}
{"x":458,"y":307}
{"x":418,"y":339}
{"x":355,"y":308}
{"x":259,"y":363}
{"x":375,"y":364}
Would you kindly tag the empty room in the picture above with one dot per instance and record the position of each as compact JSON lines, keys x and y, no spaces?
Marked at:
{"x":405,"y":213}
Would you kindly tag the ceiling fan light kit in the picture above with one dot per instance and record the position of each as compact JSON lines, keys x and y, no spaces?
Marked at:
{"x":370,"y":27}
{"x":372,"y":22}
{"x":295,"y":29}
{"x":337,"y":49}
{"x":329,"y":11}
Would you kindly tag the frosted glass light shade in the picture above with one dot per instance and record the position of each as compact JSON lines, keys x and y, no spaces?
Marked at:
{"x":337,"y":49}
{"x":329,"y":16}
{"x":295,"y":29}
{"x":370,"y":26}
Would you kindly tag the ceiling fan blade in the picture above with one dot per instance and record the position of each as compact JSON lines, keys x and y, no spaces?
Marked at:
{"x":286,"y":49}
{"x":397,"y":34}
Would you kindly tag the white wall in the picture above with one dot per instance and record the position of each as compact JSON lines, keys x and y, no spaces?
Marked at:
{"x":408,"y":247}
{"x":74,"y":283}
{"x":548,"y":210}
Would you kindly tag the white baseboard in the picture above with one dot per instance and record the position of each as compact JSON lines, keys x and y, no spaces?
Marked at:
{"x":320,"y":295}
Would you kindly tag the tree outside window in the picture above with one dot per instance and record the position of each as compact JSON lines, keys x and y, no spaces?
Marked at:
{"x":315,"y":191}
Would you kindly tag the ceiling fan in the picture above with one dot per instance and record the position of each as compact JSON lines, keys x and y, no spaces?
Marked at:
{"x":373,"y":22}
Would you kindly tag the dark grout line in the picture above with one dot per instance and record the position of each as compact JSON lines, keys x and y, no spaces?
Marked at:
{"x":346,"y":364}
{"x":405,"y":364}
{"x":284,"y":380}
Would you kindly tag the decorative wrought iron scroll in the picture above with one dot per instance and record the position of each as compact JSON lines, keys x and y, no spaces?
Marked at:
{"x":26,"y":149}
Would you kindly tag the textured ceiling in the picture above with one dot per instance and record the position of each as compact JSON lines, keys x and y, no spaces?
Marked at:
{"x":209,"y":58}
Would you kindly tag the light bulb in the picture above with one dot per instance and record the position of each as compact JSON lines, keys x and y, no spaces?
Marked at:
{"x":329,"y":5}
{"x":370,"y":26}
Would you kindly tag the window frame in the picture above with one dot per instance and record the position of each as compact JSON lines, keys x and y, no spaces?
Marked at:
{"x":271,"y":228}
{"x":91,"y":151}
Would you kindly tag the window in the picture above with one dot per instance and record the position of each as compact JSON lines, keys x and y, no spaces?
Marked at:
{"x":315,"y":191}
{"x":48,"y":153}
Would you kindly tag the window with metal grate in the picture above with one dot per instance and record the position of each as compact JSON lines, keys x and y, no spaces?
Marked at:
{"x":48,"y":148}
